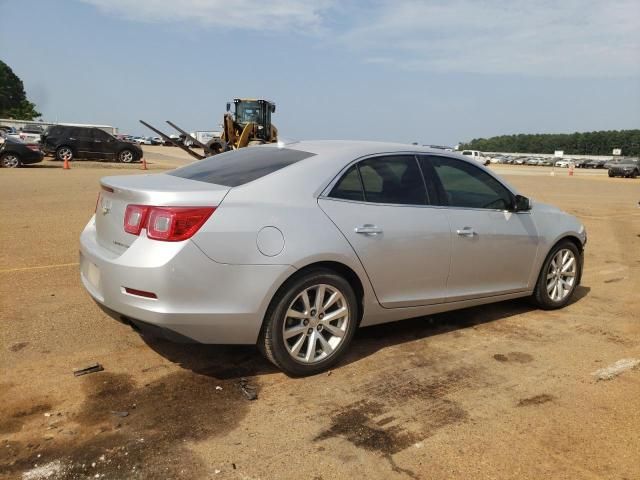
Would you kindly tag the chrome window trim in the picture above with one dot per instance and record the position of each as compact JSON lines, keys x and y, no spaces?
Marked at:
{"x":325,"y":192}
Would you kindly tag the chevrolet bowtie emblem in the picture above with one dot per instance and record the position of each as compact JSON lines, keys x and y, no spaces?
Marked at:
{"x":106,"y":205}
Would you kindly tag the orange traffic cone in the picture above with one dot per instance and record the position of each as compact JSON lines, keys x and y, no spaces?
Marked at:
{"x":144,"y":164}
{"x":66,"y":164}
{"x":571,"y":169}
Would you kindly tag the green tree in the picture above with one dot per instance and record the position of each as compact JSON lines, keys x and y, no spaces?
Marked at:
{"x":13,"y":99}
{"x":586,"y":143}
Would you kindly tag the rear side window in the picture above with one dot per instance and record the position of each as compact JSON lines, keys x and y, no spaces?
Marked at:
{"x":242,"y":166}
{"x":394,"y":180}
{"x":101,"y":135}
{"x":391,"y":179}
{"x":349,"y":187}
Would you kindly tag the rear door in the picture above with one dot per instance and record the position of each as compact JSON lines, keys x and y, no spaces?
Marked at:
{"x":383,"y":209}
{"x":102,"y":145}
{"x":493,"y":248}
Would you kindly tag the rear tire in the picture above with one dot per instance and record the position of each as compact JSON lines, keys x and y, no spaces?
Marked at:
{"x":559,"y":276}
{"x":634,"y":174}
{"x":10,"y":160}
{"x":304,"y":334}
{"x":64,"y":152}
{"x":611,"y":173}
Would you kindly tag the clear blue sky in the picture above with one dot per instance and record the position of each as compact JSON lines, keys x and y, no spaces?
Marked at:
{"x":436,"y":72}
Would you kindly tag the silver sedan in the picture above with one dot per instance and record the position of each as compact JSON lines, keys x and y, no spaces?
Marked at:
{"x":292,"y":247}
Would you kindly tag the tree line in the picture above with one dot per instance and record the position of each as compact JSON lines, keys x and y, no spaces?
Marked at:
{"x":578,"y":143}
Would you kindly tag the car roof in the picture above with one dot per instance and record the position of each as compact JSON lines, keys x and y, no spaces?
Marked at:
{"x":357,"y":148}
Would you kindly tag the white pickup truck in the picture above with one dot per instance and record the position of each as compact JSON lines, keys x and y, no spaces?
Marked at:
{"x":477,"y":156}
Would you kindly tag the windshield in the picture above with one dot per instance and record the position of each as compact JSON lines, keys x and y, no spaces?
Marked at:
{"x":248,"y":112}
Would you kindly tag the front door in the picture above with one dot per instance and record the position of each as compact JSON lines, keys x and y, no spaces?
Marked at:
{"x":493,"y":248}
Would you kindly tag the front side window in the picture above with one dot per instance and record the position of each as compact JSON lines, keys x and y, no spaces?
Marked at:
{"x":468,"y":186}
{"x":390,"y":179}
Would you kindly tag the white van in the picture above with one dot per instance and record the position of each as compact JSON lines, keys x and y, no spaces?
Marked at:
{"x":477,"y":156}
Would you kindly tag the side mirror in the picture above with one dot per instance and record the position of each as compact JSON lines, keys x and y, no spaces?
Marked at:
{"x":273,"y":108}
{"x":521,"y":204}
{"x":228,"y":106}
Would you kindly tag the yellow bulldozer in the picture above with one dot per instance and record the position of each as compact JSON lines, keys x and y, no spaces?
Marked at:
{"x":249,"y":124}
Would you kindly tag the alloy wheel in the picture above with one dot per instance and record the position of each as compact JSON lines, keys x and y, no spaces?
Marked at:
{"x":10,"y":161}
{"x":315,"y":323}
{"x":65,"y":153}
{"x":126,"y":156}
{"x":561,"y":275}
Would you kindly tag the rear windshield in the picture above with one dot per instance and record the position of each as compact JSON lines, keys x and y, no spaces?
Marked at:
{"x":240,"y":166}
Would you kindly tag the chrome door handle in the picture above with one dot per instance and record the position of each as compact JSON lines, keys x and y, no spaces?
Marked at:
{"x":466,"y":232}
{"x":368,"y":230}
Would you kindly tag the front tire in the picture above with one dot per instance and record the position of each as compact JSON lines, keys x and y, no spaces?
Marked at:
{"x":559,"y":276}
{"x":310,"y":323}
{"x":10,"y":160}
{"x":610,"y":173}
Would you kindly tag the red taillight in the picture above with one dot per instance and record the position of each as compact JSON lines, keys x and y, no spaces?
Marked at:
{"x":174,"y":224}
{"x":170,"y":224}
{"x":135,"y":218}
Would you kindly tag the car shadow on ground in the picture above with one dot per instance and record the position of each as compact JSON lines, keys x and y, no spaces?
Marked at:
{"x":230,"y":362}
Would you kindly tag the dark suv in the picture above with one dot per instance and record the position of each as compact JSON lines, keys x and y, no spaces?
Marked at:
{"x":68,"y":142}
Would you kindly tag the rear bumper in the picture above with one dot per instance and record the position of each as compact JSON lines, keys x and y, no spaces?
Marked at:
{"x":33,"y":157}
{"x":197,"y":298}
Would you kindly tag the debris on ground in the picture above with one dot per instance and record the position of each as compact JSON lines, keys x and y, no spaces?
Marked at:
{"x":249,"y":391}
{"x":95,"y":367}
{"x":121,"y":414}
{"x":616,"y":368}
{"x":50,"y":470}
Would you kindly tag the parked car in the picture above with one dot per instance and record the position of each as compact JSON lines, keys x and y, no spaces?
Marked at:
{"x":519,"y":160}
{"x":292,"y":248}
{"x":594,"y":164}
{"x":67,"y":142}
{"x":629,"y":168}
{"x":477,"y":156}
{"x":580,"y":162}
{"x":545,"y":162}
{"x":532,"y":161}
{"x":15,"y":153}
{"x":563,"y":163}
{"x":30,"y":135}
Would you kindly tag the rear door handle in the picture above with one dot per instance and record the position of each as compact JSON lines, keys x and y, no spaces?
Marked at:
{"x":368,"y":229}
{"x":466,"y":232}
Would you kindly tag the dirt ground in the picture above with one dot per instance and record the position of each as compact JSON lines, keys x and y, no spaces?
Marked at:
{"x":496,"y":392}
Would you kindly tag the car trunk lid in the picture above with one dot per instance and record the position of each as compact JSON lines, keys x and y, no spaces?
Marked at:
{"x":155,"y":189}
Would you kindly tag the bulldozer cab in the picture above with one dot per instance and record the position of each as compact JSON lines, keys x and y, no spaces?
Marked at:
{"x":254,"y":111}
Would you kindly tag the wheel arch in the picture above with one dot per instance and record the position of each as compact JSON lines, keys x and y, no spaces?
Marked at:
{"x":62,"y":145}
{"x":337,"y":267}
{"x":573,"y":238}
